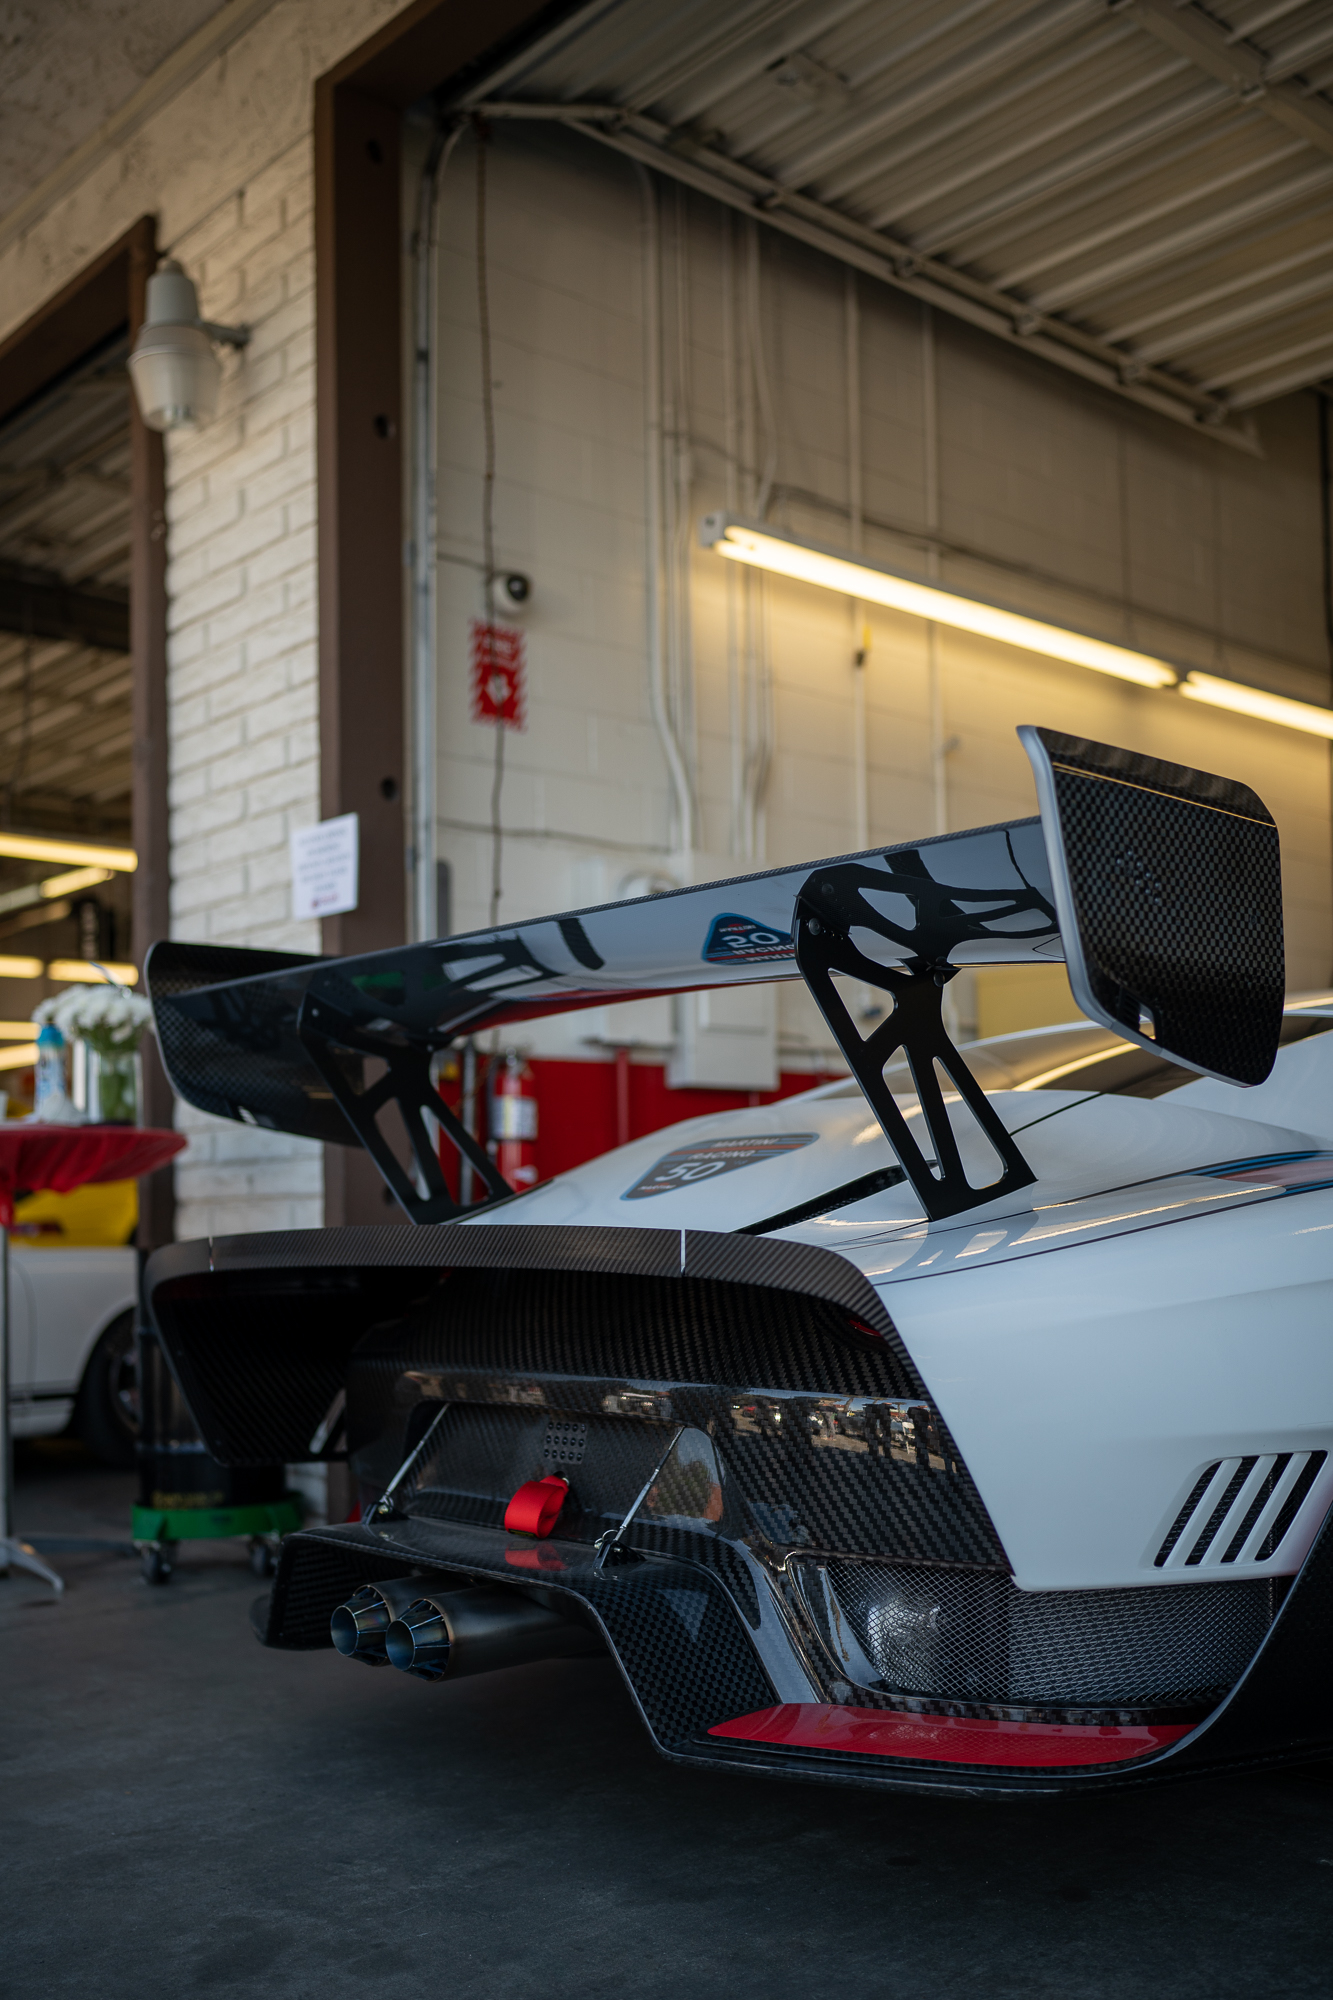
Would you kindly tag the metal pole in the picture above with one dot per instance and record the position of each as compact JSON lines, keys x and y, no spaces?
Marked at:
{"x":7,"y":1484}
{"x":468,"y":1111}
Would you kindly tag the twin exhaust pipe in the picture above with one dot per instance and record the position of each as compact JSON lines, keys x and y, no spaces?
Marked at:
{"x":438,"y":1634}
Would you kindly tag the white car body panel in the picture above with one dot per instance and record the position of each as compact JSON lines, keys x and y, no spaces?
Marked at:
{"x":1117,"y":1370}
{"x":61,"y":1302}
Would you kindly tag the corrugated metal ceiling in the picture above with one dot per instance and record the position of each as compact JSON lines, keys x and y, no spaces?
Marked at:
{"x":1142,"y":192}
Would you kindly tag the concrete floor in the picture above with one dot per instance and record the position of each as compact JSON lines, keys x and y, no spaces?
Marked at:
{"x":187,"y":1813}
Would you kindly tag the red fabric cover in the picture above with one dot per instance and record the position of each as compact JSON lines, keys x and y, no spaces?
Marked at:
{"x":63,"y":1157}
{"x":535,"y":1508}
{"x":949,"y":1739}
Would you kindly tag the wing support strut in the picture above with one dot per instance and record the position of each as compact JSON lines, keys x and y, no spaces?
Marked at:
{"x":328,"y":1037}
{"x":916,"y":1027}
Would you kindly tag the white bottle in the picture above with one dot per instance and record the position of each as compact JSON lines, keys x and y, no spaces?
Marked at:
{"x":51,"y":1105}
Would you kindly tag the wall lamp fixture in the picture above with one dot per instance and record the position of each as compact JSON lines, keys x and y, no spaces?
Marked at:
{"x":852,"y":576}
{"x":173,"y":367}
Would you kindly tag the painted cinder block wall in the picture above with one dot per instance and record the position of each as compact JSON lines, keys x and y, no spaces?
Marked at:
{"x":1028,"y":486}
{"x":242,"y":658}
{"x":226,"y":164}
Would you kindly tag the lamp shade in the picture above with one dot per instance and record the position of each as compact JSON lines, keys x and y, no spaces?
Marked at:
{"x":173,"y":367}
{"x":176,"y":376}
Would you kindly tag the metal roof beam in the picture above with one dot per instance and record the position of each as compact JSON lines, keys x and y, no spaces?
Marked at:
{"x":1293,"y":56}
{"x":1273,"y":10}
{"x":987,"y":165}
{"x":765,"y":136}
{"x":1320,"y":344}
{"x":1073,"y":167}
{"x":755,"y":28}
{"x":1266,"y":306}
{"x":977,"y":110}
{"x":1190,"y":32}
{"x":36,"y":603}
{"x":683,"y":158}
{"x":1179,"y":308}
{"x":983,"y":61}
{"x":1207,"y":229}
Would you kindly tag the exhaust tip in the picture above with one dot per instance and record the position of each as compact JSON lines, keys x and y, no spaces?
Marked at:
{"x":418,"y":1642}
{"x":357,"y":1628}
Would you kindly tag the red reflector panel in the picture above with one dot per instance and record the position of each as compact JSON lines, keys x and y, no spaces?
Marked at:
{"x":540,"y":1559}
{"x":949,"y":1739}
{"x":535,"y":1508}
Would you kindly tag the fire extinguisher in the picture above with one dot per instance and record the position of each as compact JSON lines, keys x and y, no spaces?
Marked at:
{"x":513,"y":1119}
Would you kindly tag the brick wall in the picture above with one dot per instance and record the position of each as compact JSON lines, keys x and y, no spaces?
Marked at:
{"x":242,"y":653}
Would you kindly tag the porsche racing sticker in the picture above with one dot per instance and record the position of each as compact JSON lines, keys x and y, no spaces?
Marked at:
{"x":734,"y":940}
{"x":712,"y":1157}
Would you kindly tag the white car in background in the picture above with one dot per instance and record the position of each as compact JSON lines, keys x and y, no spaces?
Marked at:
{"x":71,"y":1331}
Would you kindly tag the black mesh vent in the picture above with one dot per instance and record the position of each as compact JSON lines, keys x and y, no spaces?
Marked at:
{"x":1259,"y":1500}
{"x":1295,"y":1500}
{"x":1177,"y":1528}
{"x":566,"y":1343}
{"x":976,"y":1638}
{"x":1199,"y":1533}
{"x":1220,"y":1512}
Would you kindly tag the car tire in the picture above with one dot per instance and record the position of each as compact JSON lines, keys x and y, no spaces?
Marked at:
{"x":106,"y":1414}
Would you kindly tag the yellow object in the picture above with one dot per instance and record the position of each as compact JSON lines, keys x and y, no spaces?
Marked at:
{"x":102,"y":1217}
{"x":873,"y":585}
{"x":72,"y":880}
{"x":853,"y":577}
{"x":80,"y":972}
{"x":28,"y":847}
{"x":21,"y":968}
{"x":1253,"y":701}
{"x":16,"y":1031}
{"x":22,"y":1057}
{"x":1013,"y":997}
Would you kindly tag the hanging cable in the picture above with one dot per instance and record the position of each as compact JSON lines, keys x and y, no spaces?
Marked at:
{"x":655,"y":594}
{"x":488,"y":506}
{"x":425,"y":899}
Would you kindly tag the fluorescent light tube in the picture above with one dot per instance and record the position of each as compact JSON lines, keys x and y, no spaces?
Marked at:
{"x":80,"y":972}
{"x":1263,"y":707}
{"x":30,"y":847}
{"x":874,"y":585}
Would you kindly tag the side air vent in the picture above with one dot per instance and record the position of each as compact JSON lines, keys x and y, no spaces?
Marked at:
{"x":1239,"y":1510}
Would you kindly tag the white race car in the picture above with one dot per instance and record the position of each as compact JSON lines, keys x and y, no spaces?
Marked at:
{"x":962,"y":1427}
{"x":72,"y":1347}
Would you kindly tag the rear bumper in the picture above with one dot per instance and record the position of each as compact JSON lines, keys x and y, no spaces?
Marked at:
{"x":719,"y":1678}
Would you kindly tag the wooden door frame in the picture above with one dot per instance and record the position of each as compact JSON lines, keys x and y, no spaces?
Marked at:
{"x":360,"y":419}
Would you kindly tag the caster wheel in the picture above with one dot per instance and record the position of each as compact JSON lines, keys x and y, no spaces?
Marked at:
{"x":156,"y":1566}
{"x":263,"y":1560}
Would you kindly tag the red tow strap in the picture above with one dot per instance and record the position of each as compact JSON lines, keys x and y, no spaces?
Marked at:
{"x":535,"y":1508}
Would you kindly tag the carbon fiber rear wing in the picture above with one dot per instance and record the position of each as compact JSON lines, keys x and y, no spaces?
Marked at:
{"x":1159,"y":885}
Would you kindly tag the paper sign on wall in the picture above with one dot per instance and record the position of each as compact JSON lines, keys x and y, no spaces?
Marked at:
{"x":325,"y":867}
